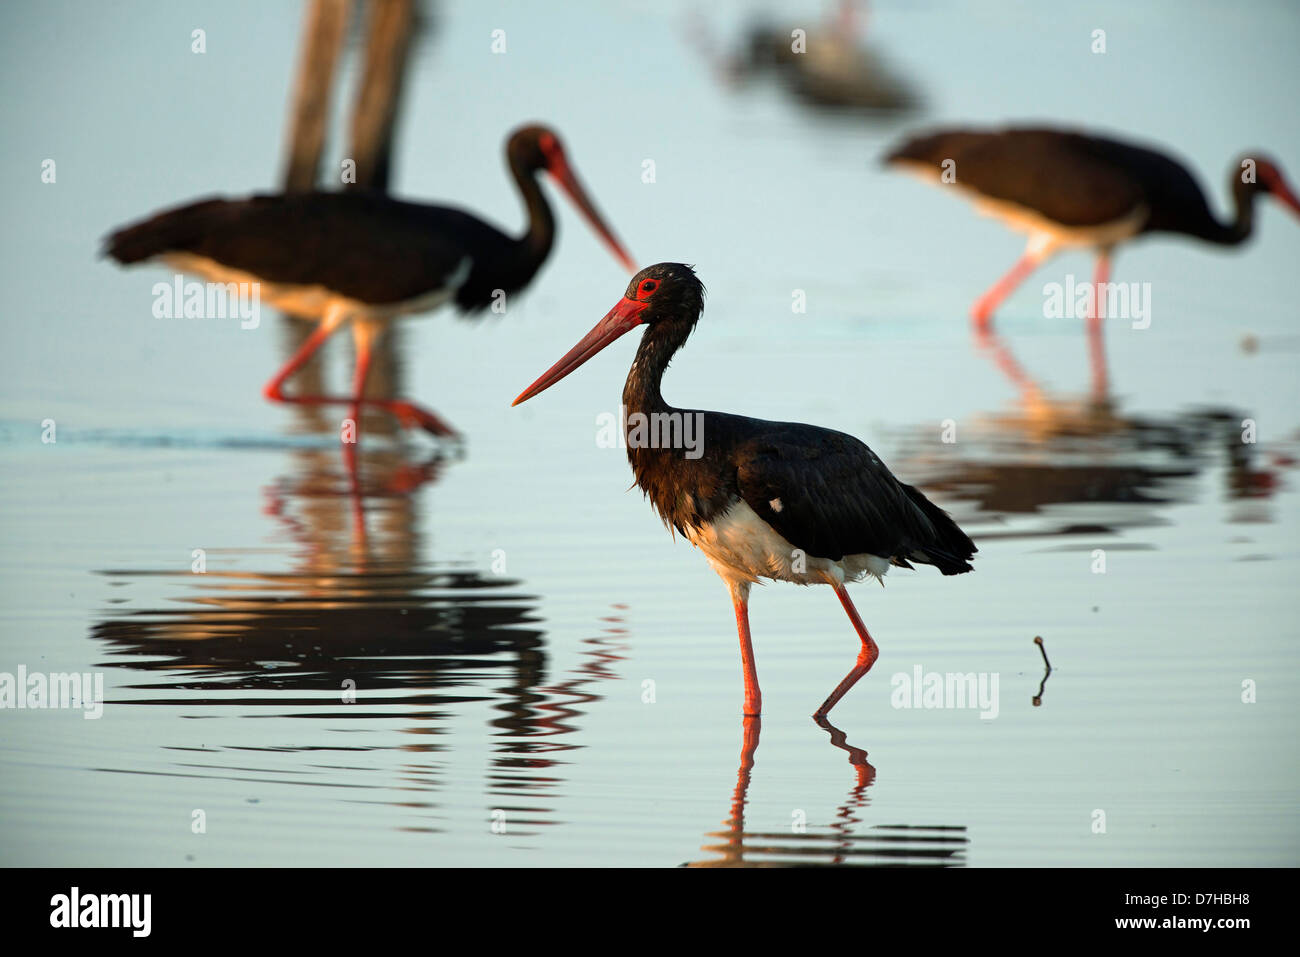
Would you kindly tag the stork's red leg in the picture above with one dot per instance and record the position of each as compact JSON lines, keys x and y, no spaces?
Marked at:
{"x":274,"y":389}
{"x":753,"y":697}
{"x":1035,"y":253}
{"x":364,"y":335}
{"x":1096,"y":345}
{"x":1100,"y":276}
{"x":866,"y":657}
{"x":408,"y":413}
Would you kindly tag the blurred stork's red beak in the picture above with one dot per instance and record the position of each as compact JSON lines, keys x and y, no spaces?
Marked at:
{"x":1271,"y":178}
{"x":622,"y":319}
{"x":1282,"y":190}
{"x":557,"y":164}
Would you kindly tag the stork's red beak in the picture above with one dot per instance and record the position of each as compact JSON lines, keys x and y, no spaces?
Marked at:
{"x":621,"y":319}
{"x":558,"y":166}
{"x":1282,"y":190}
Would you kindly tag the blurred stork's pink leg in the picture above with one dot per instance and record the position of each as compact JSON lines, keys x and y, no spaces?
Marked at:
{"x":1096,"y":343}
{"x":364,"y":335}
{"x":1037,"y":250}
{"x":1100,"y":277}
{"x":408,"y":413}
{"x":274,"y":389}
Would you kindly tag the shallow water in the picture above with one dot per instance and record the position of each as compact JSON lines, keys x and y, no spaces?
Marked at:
{"x":494,"y":653}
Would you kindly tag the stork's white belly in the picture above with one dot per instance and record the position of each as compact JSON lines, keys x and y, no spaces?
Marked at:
{"x":742,"y":547}
{"x":313,"y":302}
{"x":1026,"y":220}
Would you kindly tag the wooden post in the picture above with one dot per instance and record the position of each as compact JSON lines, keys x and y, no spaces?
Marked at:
{"x":325,"y":27}
{"x":390,"y":28}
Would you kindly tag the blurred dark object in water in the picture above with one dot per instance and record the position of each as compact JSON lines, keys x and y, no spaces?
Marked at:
{"x":392,"y":30}
{"x":826,"y":66}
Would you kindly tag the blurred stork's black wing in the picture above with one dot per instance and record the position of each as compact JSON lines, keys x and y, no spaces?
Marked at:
{"x":828,"y":494}
{"x":1068,"y":178}
{"x":363,"y":245}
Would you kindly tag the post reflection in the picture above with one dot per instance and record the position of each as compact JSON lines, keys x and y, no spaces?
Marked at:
{"x":839,"y":843}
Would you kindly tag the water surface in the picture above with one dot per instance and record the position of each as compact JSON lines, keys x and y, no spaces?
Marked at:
{"x":495,"y":654}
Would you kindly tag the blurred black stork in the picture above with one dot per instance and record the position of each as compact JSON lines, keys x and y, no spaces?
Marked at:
{"x":774,"y":500}
{"x":365,"y":258}
{"x":832,"y":70}
{"x":1069,"y":189}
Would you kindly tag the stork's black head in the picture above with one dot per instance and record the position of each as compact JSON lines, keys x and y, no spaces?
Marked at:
{"x":536,"y":148}
{"x":533,"y":147}
{"x":667,"y":297}
{"x":670,"y":291}
{"x":1256,"y":173}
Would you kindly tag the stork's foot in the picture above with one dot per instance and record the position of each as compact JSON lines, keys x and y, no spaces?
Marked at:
{"x":981,"y":316}
{"x":412,"y":416}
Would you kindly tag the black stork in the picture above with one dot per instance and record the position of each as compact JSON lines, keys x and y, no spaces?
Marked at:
{"x":365,"y":257}
{"x":1069,"y":189}
{"x":774,"y":500}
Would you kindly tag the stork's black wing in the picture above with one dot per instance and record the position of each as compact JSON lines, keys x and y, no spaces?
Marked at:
{"x":828,"y":494}
{"x":1069,"y":178}
{"x":364,"y":245}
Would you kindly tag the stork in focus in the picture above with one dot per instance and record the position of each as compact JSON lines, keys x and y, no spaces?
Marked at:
{"x":774,"y":500}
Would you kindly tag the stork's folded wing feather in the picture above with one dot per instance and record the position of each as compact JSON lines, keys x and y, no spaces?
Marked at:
{"x":829,"y":495}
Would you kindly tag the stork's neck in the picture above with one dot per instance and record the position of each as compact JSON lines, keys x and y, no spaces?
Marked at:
{"x":658,"y":345}
{"x":1240,"y":228}
{"x":669,"y":475}
{"x":535,"y":244}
